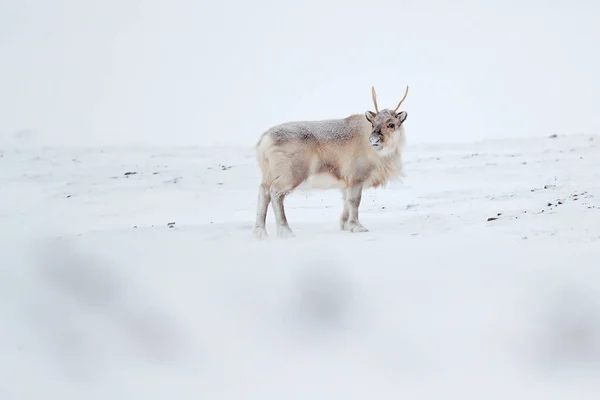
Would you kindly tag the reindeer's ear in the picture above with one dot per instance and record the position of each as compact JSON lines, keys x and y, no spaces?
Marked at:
{"x":402,"y":116}
{"x":370,"y":115}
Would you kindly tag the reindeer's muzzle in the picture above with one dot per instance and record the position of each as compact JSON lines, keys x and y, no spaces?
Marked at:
{"x":376,"y":140}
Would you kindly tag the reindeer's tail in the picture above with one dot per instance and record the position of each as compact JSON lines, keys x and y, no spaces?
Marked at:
{"x":263,"y":162}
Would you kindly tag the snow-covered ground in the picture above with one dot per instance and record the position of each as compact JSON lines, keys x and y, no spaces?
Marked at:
{"x":133,"y":274}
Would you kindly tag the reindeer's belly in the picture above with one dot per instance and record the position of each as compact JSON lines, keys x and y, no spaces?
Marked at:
{"x":323,"y":175}
{"x":322,"y":180}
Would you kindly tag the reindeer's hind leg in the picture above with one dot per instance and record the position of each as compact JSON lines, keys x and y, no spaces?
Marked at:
{"x":292,"y":174}
{"x":264,"y":198}
{"x":280,"y":189}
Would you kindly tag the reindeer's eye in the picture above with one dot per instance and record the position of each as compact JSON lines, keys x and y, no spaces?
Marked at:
{"x":391,"y":126}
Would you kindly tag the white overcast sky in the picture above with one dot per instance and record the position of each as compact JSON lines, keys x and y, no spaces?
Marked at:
{"x":76,"y":72}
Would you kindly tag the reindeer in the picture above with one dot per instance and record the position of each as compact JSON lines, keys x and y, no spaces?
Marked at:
{"x":352,"y":154}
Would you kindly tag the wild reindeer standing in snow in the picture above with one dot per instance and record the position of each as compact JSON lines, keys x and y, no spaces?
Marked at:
{"x":354,"y":153}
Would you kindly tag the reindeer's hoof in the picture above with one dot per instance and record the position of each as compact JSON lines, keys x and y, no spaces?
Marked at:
{"x":344,"y":226}
{"x":357,"y":227}
{"x":260,"y":233}
{"x":284,"y":232}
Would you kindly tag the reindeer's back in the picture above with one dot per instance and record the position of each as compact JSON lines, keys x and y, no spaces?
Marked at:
{"x":331,"y":130}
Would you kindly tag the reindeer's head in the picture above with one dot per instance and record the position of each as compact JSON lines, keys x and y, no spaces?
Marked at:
{"x":385,"y":123}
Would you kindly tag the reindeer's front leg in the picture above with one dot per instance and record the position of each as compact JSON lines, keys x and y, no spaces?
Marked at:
{"x":352,"y":197}
{"x":345,"y":212}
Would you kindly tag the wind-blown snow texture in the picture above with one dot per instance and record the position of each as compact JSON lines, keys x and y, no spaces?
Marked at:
{"x":133,"y":274}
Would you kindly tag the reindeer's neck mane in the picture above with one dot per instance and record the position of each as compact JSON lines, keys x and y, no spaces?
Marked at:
{"x":388,"y":166}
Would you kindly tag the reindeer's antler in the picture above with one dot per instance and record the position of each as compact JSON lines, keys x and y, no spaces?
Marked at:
{"x":374,"y":99}
{"x":398,"y":106}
